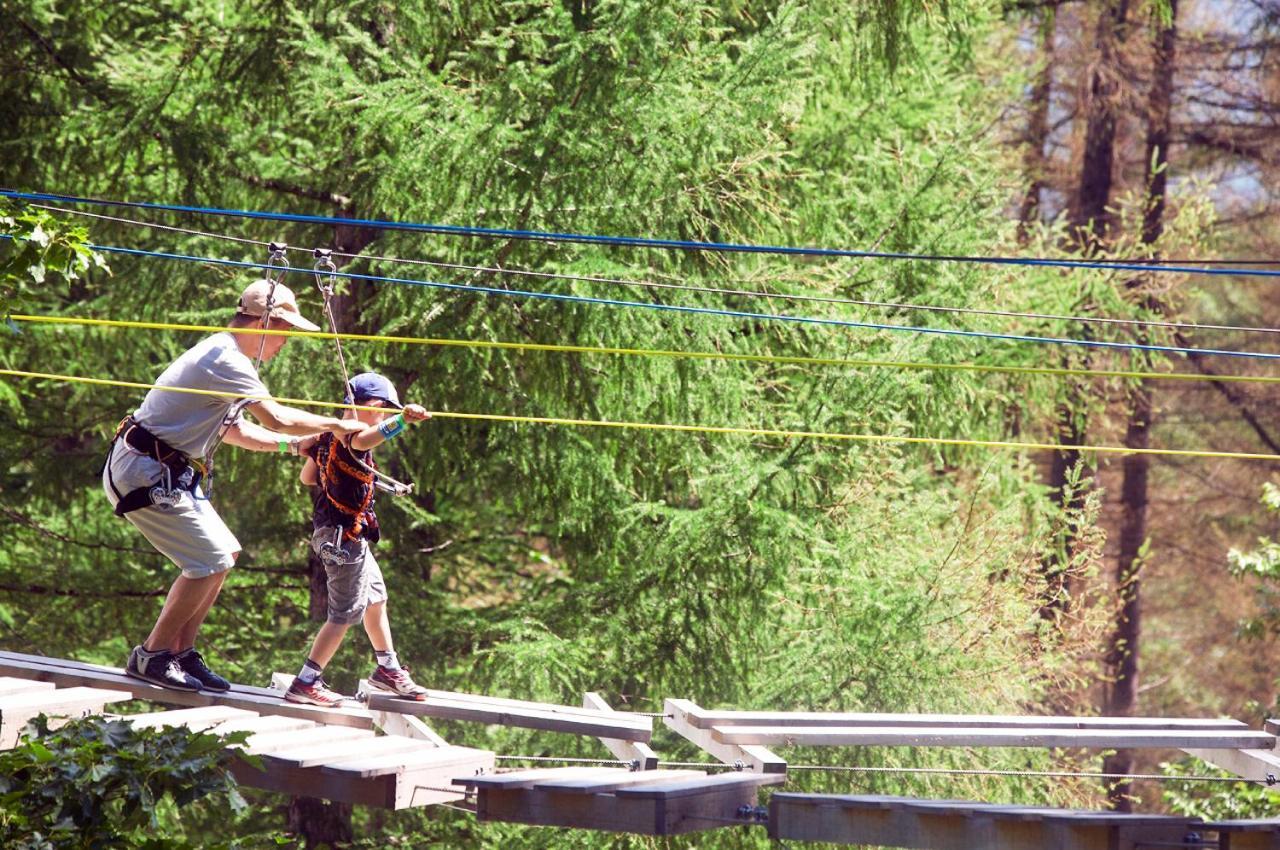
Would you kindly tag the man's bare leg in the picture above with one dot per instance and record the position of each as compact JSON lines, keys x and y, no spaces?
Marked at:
{"x":187,"y":597}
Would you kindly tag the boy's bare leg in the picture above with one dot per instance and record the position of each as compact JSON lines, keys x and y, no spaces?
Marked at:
{"x":378,"y":626}
{"x":327,"y":641}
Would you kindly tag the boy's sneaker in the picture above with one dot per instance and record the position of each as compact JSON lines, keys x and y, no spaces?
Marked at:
{"x":192,"y":663}
{"x":160,"y":668}
{"x":397,"y":682}
{"x":317,"y":693}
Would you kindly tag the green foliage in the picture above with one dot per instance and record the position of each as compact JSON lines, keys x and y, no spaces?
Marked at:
{"x":540,"y":562}
{"x":41,"y":256}
{"x":98,"y":783}
{"x":1215,"y":800}
{"x":1261,"y":568}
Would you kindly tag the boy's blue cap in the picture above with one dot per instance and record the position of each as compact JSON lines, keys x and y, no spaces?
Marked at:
{"x":369,"y":385}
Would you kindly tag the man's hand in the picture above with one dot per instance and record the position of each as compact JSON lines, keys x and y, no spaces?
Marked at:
{"x":415,"y":413}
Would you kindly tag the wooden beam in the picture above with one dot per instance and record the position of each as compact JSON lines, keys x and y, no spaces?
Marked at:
{"x":548,"y":718}
{"x":407,"y":726}
{"x":822,"y":736}
{"x":641,"y":755}
{"x":1255,"y":765}
{"x":682,"y":715}
{"x":64,"y":673}
{"x":1247,"y":834}
{"x":335,"y":752}
{"x":707,"y":718}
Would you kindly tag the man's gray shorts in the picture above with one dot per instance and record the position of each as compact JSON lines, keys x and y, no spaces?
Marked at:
{"x":354,"y":578}
{"x":189,"y":533}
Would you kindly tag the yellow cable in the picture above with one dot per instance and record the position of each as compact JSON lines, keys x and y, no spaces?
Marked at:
{"x":657,"y":426}
{"x":650,"y":352}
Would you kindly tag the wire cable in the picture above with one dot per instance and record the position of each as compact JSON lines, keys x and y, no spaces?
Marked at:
{"x":776,"y":359}
{"x":705,"y":311}
{"x":709,"y":290}
{"x":780,"y":433}
{"x":640,"y":242}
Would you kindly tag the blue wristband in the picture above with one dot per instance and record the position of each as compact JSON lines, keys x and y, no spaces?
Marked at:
{"x":392,"y":427}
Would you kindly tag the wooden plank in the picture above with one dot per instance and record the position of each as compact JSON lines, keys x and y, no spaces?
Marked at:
{"x":421,"y":758}
{"x":272,"y":742}
{"x":265,"y":723}
{"x":64,"y":673}
{"x":639,"y":754}
{"x":528,"y":705}
{"x":331,"y":752}
{"x":623,"y":779}
{"x":680,"y":716}
{"x":527,"y":778}
{"x":952,"y":737}
{"x":707,"y":718}
{"x":312,"y":782}
{"x":599,"y":726}
{"x":703,"y":785}
{"x":61,"y":700}
{"x":197,"y":719}
{"x":11,"y":685}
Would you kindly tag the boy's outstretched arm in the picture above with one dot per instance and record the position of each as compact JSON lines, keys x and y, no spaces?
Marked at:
{"x":376,"y":435}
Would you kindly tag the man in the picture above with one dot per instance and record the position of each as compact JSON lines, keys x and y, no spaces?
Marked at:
{"x":151,"y":478}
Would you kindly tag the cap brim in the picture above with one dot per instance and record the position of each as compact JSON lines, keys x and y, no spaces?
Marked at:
{"x":295,"y":319}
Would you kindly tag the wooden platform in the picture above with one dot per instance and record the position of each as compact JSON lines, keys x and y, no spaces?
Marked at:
{"x":659,"y":802}
{"x":344,"y":763}
{"x":23,"y":699}
{"x":961,"y":825}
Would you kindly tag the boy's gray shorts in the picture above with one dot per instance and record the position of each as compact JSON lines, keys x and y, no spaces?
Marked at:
{"x":354,"y":578}
{"x":190,"y":533}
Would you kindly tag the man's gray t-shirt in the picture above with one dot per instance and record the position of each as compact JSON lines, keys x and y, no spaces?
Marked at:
{"x":190,"y":421}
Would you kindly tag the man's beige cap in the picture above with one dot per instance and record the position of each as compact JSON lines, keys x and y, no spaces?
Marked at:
{"x":253,"y":302}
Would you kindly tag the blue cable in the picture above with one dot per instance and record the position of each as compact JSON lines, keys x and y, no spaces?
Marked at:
{"x":636,"y":241}
{"x":706,"y":311}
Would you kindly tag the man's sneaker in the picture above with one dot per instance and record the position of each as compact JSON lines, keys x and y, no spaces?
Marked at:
{"x":193,"y":665}
{"x":317,"y":693}
{"x":160,"y":668}
{"x":397,"y":682}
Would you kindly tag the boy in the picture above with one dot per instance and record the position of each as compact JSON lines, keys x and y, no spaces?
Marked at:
{"x":346,"y":528}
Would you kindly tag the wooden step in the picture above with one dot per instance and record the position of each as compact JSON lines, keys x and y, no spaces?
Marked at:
{"x":196,"y":719}
{"x":550,"y":718}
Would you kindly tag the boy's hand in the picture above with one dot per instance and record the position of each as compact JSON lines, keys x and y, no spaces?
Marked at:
{"x":415,"y":413}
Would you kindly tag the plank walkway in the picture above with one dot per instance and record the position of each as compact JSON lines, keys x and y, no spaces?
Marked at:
{"x":381,"y":754}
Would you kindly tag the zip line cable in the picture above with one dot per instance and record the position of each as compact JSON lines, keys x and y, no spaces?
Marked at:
{"x":705,"y":311}
{"x":780,"y":359}
{"x":678,"y":428}
{"x":711,"y":290}
{"x":642,"y":242}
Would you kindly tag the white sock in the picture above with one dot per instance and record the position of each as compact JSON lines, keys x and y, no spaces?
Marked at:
{"x":310,"y":672}
{"x":387,"y":659}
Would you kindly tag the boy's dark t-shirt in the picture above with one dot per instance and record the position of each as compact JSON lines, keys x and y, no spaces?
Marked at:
{"x":345,"y":495}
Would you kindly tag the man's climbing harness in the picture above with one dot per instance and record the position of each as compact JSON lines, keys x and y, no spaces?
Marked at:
{"x":180,"y":473}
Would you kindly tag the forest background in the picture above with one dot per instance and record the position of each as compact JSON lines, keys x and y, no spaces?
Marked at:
{"x":771,"y":573}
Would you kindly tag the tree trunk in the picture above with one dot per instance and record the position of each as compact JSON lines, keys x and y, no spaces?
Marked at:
{"x":1122,"y":659}
{"x":320,"y":823}
{"x":1090,"y":223}
{"x":1038,"y":128}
